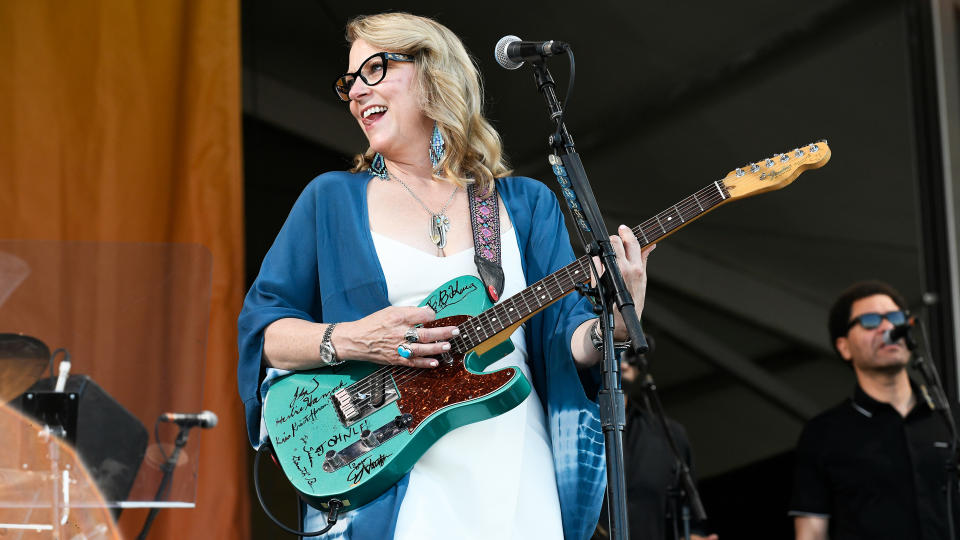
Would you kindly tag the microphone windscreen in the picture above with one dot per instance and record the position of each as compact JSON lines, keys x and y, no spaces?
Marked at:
{"x":209,"y":418}
{"x":500,"y":52}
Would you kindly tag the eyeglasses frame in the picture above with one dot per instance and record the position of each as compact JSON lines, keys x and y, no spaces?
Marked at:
{"x":857,"y":320}
{"x":387,"y":56}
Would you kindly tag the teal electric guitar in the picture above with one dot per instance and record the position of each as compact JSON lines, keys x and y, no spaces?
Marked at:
{"x":350,"y":432}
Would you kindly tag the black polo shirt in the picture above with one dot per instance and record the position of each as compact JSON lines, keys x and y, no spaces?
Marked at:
{"x":873,"y":473}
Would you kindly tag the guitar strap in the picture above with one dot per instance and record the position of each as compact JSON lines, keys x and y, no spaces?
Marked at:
{"x":485,"y":221}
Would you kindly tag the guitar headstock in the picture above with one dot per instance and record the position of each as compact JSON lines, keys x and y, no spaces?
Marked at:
{"x":777,"y":171}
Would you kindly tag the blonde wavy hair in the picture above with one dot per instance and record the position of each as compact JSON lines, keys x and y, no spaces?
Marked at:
{"x":451,"y":91}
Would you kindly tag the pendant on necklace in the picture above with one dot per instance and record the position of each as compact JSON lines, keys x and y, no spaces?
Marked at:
{"x":439,"y":225}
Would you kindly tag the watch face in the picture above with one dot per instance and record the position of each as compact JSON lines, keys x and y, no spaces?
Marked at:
{"x":328,"y":355}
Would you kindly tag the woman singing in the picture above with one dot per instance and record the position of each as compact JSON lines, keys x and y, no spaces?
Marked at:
{"x":361,"y":249}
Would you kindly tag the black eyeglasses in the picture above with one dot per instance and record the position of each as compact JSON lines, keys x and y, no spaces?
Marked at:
{"x":371,"y":72}
{"x":873,"y":320}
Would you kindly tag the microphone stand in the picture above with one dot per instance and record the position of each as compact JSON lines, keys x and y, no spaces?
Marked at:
{"x":610,"y":288}
{"x":934,"y":395}
{"x":168,"y":467}
{"x":686,"y":493}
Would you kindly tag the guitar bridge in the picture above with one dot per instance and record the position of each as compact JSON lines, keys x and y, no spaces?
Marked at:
{"x":361,"y":399}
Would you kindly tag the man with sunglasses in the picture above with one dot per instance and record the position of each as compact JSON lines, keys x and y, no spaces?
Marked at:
{"x":873,"y":466}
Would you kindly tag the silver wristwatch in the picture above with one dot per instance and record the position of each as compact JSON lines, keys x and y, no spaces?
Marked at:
{"x":596,"y":337}
{"x":328,"y":355}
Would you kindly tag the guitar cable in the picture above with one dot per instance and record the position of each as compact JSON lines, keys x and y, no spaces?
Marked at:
{"x":332,"y":516}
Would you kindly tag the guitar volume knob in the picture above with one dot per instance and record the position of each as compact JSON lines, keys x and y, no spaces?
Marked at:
{"x":333,"y":461}
{"x":369,"y":439}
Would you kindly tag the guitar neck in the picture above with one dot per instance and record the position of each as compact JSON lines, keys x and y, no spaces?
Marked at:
{"x":521,"y":306}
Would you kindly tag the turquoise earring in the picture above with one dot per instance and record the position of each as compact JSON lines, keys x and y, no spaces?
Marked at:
{"x":379,"y":168}
{"x":437,"y":147}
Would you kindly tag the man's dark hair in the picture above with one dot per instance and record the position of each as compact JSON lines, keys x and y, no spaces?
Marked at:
{"x":840,"y":312}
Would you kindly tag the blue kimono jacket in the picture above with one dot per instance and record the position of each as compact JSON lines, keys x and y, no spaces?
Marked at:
{"x":323,"y":267}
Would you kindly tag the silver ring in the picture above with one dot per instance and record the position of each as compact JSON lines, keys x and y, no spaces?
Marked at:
{"x":411,"y":336}
{"x":404,"y":351}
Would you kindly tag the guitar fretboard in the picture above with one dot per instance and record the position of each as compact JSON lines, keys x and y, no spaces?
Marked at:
{"x":548,"y":290}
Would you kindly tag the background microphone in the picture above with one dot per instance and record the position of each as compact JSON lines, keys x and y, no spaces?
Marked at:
{"x":898,"y":332}
{"x":511,"y":52}
{"x":205,"y":419}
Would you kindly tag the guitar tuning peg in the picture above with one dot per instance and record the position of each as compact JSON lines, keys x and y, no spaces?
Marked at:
{"x":784,"y":158}
{"x":797,"y":152}
{"x":769,"y":162}
{"x":754,"y":167}
{"x":814,"y":147}
{"x":740,"y":172}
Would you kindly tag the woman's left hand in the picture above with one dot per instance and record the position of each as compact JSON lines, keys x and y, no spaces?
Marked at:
{"x":632,"y":261}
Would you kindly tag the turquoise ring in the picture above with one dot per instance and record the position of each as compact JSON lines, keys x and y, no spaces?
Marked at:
{"x":404,"y":351}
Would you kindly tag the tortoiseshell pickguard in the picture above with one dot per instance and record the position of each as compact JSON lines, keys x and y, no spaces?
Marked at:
{"x":448,"y":384}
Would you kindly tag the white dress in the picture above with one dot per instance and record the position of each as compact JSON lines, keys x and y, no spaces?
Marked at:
{"x":488,"y":480}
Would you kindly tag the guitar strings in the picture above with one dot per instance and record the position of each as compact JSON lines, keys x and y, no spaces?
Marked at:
{"x":711,"y":196}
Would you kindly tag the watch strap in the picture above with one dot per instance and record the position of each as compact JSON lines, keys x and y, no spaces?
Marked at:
{"x":596,"y":337}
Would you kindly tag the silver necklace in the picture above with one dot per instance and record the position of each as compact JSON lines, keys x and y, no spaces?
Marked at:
{"x":439,"y":222}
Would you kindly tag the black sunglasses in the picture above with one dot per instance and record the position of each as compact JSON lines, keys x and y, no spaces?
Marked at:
{"x":371,"y":72}
{"x":873,"y":320}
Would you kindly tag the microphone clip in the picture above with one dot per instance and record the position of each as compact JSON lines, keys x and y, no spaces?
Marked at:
{"x":903,"y":331}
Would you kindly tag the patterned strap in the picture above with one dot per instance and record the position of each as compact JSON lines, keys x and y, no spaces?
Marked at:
{"x":485,"y":220}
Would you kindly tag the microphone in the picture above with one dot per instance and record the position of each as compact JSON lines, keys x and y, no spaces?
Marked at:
{"x":899,"y":332}
{"x":511,"y":52}
{"x":64,"y":374}
{"x":205,"y":419}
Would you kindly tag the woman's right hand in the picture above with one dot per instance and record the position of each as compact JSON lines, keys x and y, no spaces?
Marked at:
{"x":295,"y":343}
{"x":375,"y":338}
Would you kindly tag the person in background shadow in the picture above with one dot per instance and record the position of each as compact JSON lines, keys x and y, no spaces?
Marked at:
{"x":652,"y":477}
